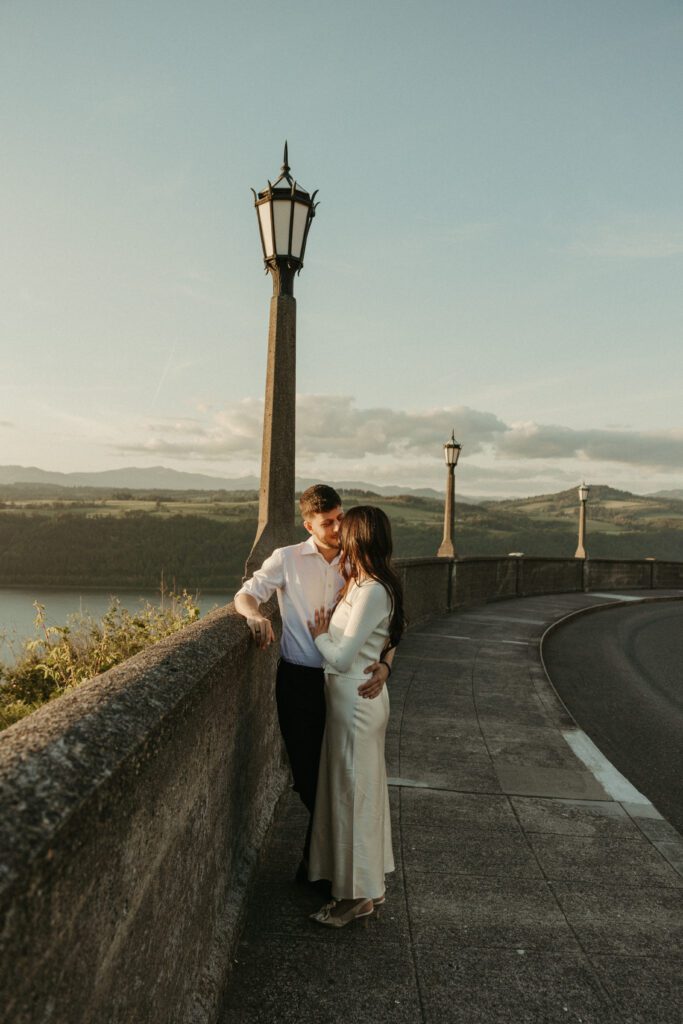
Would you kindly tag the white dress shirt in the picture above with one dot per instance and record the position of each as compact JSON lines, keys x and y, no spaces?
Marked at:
{"x":359,"y":630}
{"x":304,"y":580}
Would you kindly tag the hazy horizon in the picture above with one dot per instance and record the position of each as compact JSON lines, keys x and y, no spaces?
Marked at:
{"x":195,"y":481}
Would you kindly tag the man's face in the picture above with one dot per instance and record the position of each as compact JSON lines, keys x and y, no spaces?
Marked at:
{"x":324,"y":527}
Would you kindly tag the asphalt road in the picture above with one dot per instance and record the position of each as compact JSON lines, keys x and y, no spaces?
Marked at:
{"x":620,"y":674}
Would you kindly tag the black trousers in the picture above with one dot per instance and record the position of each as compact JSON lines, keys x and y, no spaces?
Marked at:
{"x":300,"y":696}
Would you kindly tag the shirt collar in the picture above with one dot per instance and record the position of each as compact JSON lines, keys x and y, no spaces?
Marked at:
{"x":310,"y":547}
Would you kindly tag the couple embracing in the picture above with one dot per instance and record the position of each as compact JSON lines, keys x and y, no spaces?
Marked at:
{"x":342,"y":617}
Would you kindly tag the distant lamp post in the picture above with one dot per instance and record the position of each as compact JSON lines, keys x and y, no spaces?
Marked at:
{"x":285,"y":211}
{"x":583,"y":497}
{"x":451,"y":451}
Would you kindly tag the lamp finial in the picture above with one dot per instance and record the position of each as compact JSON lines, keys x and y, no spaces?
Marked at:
{"x":285,"y":163}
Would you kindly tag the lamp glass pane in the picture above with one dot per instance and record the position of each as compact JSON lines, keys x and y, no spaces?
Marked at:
{"x":281,"y":214}
{"x":300,"y":218}
{"x":264,"y":219}
{"x":451,"y":453}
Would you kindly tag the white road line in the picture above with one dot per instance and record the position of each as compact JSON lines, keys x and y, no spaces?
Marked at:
{"x":478,"y":639}
{"x":611,"y":780}
{"x":503,"y":618}
{"x":616,"y":597}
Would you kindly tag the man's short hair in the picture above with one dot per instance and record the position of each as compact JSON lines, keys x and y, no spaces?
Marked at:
{"x":318,"y":498}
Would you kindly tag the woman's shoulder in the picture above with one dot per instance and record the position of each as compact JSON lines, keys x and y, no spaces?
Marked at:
{"x":372,"y":590}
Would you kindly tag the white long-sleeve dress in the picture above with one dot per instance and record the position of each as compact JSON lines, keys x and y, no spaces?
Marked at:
{"x":351,"y":841}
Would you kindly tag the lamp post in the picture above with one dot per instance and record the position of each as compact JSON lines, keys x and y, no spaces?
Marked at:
{"x":583,"y":496}
{"x":284,"y":211}
{"x":451,"y":451}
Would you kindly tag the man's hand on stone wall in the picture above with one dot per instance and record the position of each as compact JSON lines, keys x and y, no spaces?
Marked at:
{"x":261,"y":630}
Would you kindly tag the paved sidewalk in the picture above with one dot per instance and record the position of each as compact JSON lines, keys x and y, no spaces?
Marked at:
{"x":526,"y":890}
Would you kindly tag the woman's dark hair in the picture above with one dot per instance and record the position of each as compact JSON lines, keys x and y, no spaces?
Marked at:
{"x":366,"y":548}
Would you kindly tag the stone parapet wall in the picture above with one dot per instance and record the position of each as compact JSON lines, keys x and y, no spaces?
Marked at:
{"x":425,"y":584}
{"x":131,"y":814}
{"x":478,"y":580}
{"x":549,"y":575}
{"x":667,"y":575}
{"x":612,"y":574}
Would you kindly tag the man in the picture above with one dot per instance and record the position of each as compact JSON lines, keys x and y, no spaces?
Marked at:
{"x":306,"y":578}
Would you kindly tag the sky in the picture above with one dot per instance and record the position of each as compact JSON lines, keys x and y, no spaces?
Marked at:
{"x":497,"y":250}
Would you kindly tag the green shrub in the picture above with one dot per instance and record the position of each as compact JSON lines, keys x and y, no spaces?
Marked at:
{"x":57,"y":658}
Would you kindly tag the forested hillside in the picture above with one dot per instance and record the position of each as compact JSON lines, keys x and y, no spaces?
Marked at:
{"x":200,"y":540}
{"x":69,"y":550}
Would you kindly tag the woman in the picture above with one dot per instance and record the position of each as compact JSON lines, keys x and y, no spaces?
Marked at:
{"x":351,"y":842}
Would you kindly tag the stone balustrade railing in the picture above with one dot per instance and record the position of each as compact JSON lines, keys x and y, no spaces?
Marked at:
{"x":132,"y":809}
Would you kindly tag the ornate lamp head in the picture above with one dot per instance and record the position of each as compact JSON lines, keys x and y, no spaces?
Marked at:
{"x":451,"y":451}
{"x":285,"y":211}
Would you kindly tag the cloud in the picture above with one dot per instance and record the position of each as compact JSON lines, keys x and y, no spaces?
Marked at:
{"x":327,"y":425}
{"x":538,"y":441}
{"x":331,"y":427}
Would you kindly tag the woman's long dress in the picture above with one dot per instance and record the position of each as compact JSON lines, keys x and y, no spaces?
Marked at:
{"x":351,"y":841}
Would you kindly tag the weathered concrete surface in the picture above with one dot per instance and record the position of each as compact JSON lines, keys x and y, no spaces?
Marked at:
{"x":549,"y":576}
{"x":607,"y":574}
{"x":667,"y":574}
{"x":425,"y":584}
{"x":479,"y":580}
{"x":476,"y":580}
{"x":131,"y":813}
{"x":525,"y":891}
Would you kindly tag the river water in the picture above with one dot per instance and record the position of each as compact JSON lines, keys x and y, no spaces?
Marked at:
{"x":17,"y":613}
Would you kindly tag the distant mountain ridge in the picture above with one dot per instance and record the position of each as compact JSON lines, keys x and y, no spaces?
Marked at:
{"x":135,"y":477}
{"x":164,"y":479}
{"x":130,"y":476}
{"x":676,"y":494}
{"x":570,"y":498}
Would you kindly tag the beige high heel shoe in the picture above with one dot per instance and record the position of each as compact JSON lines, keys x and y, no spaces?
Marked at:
{"x":338,"y":913}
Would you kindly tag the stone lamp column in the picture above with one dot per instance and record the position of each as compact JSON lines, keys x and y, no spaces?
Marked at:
{"x":583,"y":496}
{"x":451,"y":451}
{"x":285,"y":211}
